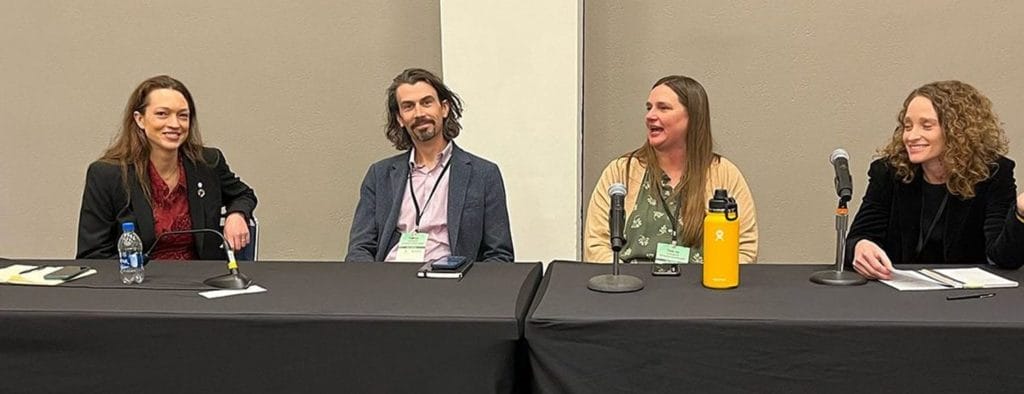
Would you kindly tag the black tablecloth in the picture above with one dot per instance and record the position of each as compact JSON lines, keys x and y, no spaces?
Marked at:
{"x":321,"y":327}
{"x":777,"y":332}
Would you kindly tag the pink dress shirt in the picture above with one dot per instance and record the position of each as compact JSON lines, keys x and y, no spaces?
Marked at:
{"x":434,"y":210}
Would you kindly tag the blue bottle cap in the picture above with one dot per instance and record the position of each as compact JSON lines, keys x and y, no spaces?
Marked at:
{"x":127,"y":226}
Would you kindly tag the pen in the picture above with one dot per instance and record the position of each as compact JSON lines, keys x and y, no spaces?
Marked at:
{"x":970,"y":296}
{"x":31,"y":269}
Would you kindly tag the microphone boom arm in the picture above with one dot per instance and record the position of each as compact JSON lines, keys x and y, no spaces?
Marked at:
{"x":232,"y":280}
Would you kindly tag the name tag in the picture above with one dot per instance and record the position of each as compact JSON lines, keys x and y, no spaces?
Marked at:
{"x":412,"y":246}
{"x":672,"y":254}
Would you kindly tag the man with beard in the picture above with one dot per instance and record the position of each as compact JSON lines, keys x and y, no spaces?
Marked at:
{"x":434,"y":199}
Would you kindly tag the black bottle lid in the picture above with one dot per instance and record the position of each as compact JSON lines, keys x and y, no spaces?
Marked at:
{"x":720,"y":202}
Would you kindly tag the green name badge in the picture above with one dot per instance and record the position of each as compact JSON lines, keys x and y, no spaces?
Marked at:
{"x":411,"y":247}
{"x":672,"y":254}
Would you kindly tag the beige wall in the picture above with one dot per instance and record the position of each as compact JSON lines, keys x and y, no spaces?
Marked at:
{"x":293,"y":93}
{"x":789,"y":81}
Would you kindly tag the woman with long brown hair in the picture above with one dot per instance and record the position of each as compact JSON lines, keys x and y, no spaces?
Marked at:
{"x":942,"y":192}
{"x":158,"y":174}
{"x":669,"y":181}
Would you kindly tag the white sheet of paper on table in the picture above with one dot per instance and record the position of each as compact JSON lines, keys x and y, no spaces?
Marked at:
{"x":909,"y":280}
{"x":232,"y":292}
{"x":957,"y":278}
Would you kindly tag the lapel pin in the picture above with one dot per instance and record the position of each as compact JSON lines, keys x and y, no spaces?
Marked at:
{"x":201,"y":192}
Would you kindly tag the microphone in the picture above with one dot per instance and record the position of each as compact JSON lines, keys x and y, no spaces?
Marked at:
{"x":844,"y":188}
{"x":617,"y":215}
{"x":844,"y":184}
{"x":231,"y":280}
{"x":615,"y":283}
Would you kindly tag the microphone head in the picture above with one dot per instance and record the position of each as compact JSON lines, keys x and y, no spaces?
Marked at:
{"x":617,"y":189}
{"x":839,"y":152}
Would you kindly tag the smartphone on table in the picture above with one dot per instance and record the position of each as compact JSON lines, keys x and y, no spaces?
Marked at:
{"x":448,"y":263}
{"x":66,"y":273}
{"x":665,"y":269}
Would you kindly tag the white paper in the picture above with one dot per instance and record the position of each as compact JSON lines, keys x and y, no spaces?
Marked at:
{"x":959,"y":278}
{"x":908,"y":280}
{"x":232,"y":292}
{"x":36,"y":275}
{"x":977,"y":278}
{"x":15,"y":269}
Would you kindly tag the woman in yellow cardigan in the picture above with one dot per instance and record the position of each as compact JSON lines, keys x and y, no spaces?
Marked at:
{"x":669,"y":181}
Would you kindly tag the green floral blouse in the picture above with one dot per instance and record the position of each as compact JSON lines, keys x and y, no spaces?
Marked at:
{"x":649,"y":225}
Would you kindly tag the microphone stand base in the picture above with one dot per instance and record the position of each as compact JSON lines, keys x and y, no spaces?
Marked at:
{"x":232,"y":280}
{"x":609,"y":283}
{"x":838,"y":278}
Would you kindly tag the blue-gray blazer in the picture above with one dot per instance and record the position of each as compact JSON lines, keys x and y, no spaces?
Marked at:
{"x":478,"y":226}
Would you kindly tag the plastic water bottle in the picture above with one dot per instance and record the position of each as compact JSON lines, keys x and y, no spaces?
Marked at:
{"x":721,"y":242}
{"x":129,"y":248}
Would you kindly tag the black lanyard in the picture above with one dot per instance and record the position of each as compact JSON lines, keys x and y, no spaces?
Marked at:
{"x":412,"y":191}
{"x":671,"y":218}
{"x":923,"y":236}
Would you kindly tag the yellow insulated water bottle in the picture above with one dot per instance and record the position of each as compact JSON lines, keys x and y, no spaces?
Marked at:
{"x":722,"y":242}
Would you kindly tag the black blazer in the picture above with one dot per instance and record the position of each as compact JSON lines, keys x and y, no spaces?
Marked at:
{"x":478,"y":226}
{"x":105,"y":205}
{"x":978,"y":230}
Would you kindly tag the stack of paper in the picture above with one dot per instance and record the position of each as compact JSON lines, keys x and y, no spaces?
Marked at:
{"x":947,"y":278}
{"x":24,"y":274}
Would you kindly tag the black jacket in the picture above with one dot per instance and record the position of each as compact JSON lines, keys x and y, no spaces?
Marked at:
{"x":977,"y":230}
{"x":105,"y":205}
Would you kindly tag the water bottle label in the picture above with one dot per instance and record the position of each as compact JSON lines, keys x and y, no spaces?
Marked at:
{"x":134,"y":260}
{"x":125,"y":261}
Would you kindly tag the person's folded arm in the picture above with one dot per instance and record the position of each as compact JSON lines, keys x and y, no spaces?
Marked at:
{"x":496,"y":243}
{"x":872,"y":219}
{"x":748,"y":236}
{"x":1004,"y":234}
{"x":364,"y":235}
{"x":98,"y":215}
{"x":597,"y":244}
{"x":236,"y":195}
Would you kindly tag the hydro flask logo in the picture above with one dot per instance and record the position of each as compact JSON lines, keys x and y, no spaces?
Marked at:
{"x":719,"y":235}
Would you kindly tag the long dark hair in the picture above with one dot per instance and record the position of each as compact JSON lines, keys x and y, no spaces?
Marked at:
{"x":395,"y":132}
{"x":131,"y":148}
{"x":699,"y":156}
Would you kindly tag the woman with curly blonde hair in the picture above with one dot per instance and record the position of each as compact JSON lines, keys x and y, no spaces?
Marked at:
{"x":942,"y":192}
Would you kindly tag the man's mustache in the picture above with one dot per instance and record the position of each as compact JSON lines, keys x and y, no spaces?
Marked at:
{"x":422,"y":122}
